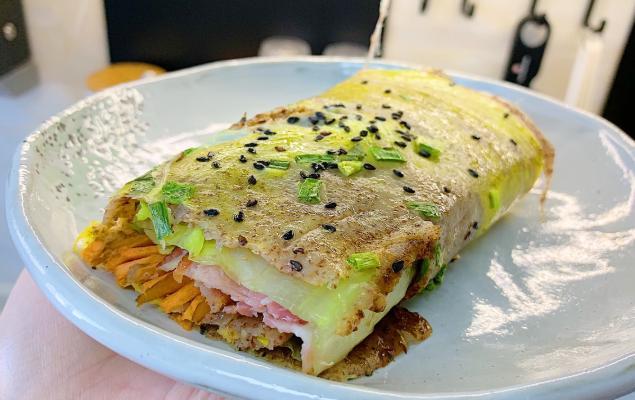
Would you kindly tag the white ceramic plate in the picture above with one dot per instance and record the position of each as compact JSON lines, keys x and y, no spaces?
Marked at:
{"x":545,"y":310}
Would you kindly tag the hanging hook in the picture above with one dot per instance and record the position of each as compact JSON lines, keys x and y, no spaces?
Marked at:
{"x":424,"y":5}
{"x":587,"y":15}
{"x":467,"y":8}
{"x":532,"y":8}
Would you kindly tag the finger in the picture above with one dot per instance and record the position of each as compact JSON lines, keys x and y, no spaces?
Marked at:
{"x":42,"y":355}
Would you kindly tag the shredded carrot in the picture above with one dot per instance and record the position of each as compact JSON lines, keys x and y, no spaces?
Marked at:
{"x":121,"y":271}
{"x":179,"y":298}
{"x":92,"y":252}
{"x":187,"y":325}
{"x":201,"y":311}
{"x":191,"y":308}
{"x":131,"y":253}
{"x":159,"y":287}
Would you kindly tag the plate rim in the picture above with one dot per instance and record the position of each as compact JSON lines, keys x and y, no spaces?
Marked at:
{"x":37,"y":258}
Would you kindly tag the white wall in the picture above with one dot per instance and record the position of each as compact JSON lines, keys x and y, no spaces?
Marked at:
{"x":443,"y":37}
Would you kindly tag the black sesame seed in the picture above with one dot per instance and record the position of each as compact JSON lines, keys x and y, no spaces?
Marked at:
{"x":288,"y":235}
{"x":318,"y":138}
{"x":329,"y":228}
{"x":295,"y":265}
{"x":298,"y":250}
{"x":452,"y":83}
{"x":387,"y":91}
{"x":400,"y":144}
{"x":211,"y":212}
{"x":330,"y":205}
{"x":347,"y":129}
{"x":263,"y":138}
{"x":251,"y":150}
{"x":314,"y":120}
{"x":467,"y":235}
{"x":358,"y":107}
{"x":264,"y":162}
{"x":377,"y":136}
{"x":252,"y":180}
{"x":385,"y":106}
{"x":380,"y":118}
{"x":397,"y":173}
{"x":240,"y":217}
{"x":424,"y":153}
{"x":317,"y":167}
{"x":363,"y":133}
{"x":314,"y":176}
{"x":342,"y":152}
{"x":397,"y":266}
{"x":260,"y":129}
{"x":405,"y":124}
{"x":269,"y":132}
{"x":356,"y":139}
{"x":472,"y":172}
{"x":446,"y":189}
{"x":252,"y":144}
{"x":364,"y":82}
{"x":242,"y":158}
{"x":216,"y":164}
{"x":408,"y":189}
{"x":202,"y":159}
{"x":303,"y":175}
{"x":242,"y":240}
{"x":320,"y":115}
{"x":257,"y":165}
{"x":358,"y":117}
{"x":506,"y":115}
{"x":330,"y":165}
{"x":372,"y":129}
{"x":251,"y":203}
{"x":475,"y":225}
{"x":395,"y":116}
{"x":513,"y":142}
{"x":369,"y":167}
{"x":326,"y":133}
{"x":476,"y":137}
{"x":292,"y":120}
{"x":316,"y":128}
{"x":406,"y":138}
{"x":331,"y":152}
{"x":280,"y":148}
{"x":329,"y":121}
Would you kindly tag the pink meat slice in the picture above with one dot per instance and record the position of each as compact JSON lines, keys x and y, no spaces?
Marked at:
{"x":248,"y":302}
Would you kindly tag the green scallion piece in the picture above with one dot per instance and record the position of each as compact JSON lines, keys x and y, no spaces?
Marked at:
{"x":142,"y":184}
{"x":348,"y":168}
{"x":309,"y":191}
{"x":494,"y":199}
{"x":278,"y":164}
{"x":188,"y":151}
{"x":438,"y":254}
{"x":176,"y":193}
{"x":363,"y":261}
{"x":386,"y":154}
{"x":160,"y":217}
{"x":425,"y":210}
{"x":143,"y":212}
{"x":314,"y":158}
{"x":428,"y":150}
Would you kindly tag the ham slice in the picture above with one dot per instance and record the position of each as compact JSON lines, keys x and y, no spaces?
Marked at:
{"x":247,"y":302}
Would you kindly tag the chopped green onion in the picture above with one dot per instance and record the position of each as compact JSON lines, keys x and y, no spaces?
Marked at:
{"x":386,"y":154}
{"x":362,"y":261}
{"x":143,"y":212}
{"x":176,"y":193}
{"x":425,"y":210}
{"x":309,"y":191}
{"x":348,"y":168}
{"x":313,"y":158}
{"x":428,"y":150}
{"x":278,"y":164}
{"x":188,"y":151}
{"x":142,"y":184}
{"x":438,"y":254}
{"x":438,"y":278}
{"x":160,"y":216}
{"x":494,"y":199}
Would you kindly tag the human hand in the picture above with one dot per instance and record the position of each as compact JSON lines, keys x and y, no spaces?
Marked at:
{"x":43,"y":356}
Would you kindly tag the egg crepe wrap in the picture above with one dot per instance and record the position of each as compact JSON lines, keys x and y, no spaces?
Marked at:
{"x":304,"y":230}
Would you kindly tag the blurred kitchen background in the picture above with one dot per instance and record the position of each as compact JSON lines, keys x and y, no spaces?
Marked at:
{"x":52,"y":53}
